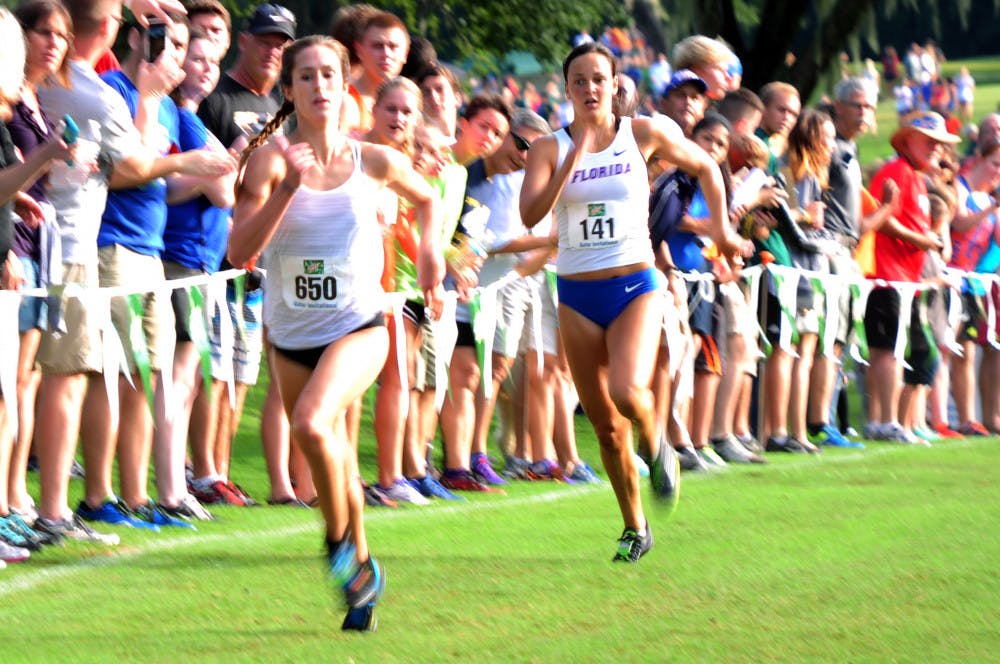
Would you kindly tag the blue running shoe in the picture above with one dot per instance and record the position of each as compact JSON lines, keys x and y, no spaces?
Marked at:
{"x":367,"y":585}
{"x":431,"y":488}
{"x":584,"y":473}
{"x":343,"y":565}
{"x":154,"y":514}
{"x":360,"y":620}
{"x":483,"y":471}
{"x":116,"y":513}
{"x":830,"y":436}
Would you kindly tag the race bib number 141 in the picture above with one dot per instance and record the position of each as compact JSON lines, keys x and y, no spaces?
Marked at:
{"x":593,"y":226}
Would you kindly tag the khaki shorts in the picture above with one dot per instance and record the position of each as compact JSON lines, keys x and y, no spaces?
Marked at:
{"x":120,"y":267}
{"x":78,"y":349}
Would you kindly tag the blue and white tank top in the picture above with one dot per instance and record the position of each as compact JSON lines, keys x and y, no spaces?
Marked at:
{"x":324,"y":263}
{"x":603,"y":210}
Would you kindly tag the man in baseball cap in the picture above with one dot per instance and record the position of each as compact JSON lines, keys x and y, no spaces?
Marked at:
{"x":269,"y":19}
{"x":684,"y":99}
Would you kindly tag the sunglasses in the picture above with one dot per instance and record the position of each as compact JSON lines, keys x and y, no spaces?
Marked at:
{"x":520,"y":142}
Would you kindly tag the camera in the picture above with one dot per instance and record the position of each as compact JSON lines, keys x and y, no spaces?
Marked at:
{"x":156,"y":39}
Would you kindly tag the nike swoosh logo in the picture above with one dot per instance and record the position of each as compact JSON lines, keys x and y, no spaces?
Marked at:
{"x":619,"y":153}
{"x":629,"y":289}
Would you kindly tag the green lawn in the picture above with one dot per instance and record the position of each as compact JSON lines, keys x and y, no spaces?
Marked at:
{"x":885,"y":554}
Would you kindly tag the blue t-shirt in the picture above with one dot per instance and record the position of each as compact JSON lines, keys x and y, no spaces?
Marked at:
{"x":135,"y":218}
{"x":686,"y":247}
{"x":196,"y":231}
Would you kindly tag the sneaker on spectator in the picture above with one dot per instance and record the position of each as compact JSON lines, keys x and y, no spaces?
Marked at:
{"x":711,"y":459}
{"x":730,"y":449}
{"x":871,"y":431}
{"x":11,"y":537}
{"x":28,"y":514}
{"x":189,"y":508}
{"x":894,"y":432}
{"x":515,"y":468}
{"x":431,"y":488}
{"x":481,"y":468}
{"x":114,"y":512}
{"x":216,"y":492}
{"x":547,"y":469}
{"x":927,"y":434}
{"x":784,"y":444}
{"x":583,"y":473}
{"x":13,"y":554}
{"x":973,"y":428}
{"x":946,"y":431}
{"x":402,"y":491}
{"x":376,"y":498}
{"x":33,"y":539}
{"x":75,"y":528}
{"x":830,"y":436}
{"x":76,"y":471}
{"x":151,"y":513}
{"x":665,"y":473}
{"x":237,"y":490}
{"x":464,"y":481}
{"x":748,"y":441}
{"x":690,"y":459}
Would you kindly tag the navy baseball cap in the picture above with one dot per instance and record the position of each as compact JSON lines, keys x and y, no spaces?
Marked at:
{"x":269,"y":19}
{"x":683,"y":77}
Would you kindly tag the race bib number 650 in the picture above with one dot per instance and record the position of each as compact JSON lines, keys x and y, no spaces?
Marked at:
{"x":594,"y":226}
{"x":312,"y":283}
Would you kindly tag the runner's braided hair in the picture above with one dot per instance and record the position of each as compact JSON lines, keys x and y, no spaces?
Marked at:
{"x":288,"y":59}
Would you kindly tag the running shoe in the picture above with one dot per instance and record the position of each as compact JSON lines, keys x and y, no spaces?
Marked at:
{"x":973,"y":428}
{"x":75,"y":528}
{"x":711,"y":459}
{"x":151,"y":513}
{"x":34,"y":539}
{"x":481,"y":468}
{"x":784,"y":444}
{"x":431,"y":488}
{"x":402,"y":491}
{"x":640,"y":465}
{"x":926,"y":433}
{"x":291,"y":501}
{"x":375,"y":498}
{"x":215,"y":493}
{"x":115,"y":512}
{"x":239,"y":492}
{"x":665,"y":473}
{"x":830,"y":436}
{"x":362,"y":619}
{"x":76,"y":471}
{"x":366,"y":586}
{"x":946,"y":431}
{"x":691,"y":460}
{"x":632,"y":545}
{"x":13,"y":554}
{"x":11,"y":537}
{"x":464,"y":481}
{"x":547,"y":469}
{"x":748,"y":441}
{"x":730,"y":449}
{"x":894,"y":432}
{"x":515,"y":468}
{"x":189,"y":508}
{"x":583,"y":473}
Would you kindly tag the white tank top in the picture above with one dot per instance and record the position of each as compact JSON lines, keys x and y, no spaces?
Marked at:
{"x":324,"y":264}
{"x":603,"y":211}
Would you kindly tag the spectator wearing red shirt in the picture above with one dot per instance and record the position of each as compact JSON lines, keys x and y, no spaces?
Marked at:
{"x":901,"y":245}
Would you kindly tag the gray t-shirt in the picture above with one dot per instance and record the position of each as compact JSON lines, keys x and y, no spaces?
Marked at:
{"x":107,"y":134}
{"x":843,"y":210}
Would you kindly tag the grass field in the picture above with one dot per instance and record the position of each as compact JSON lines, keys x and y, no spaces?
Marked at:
{"x":889,"y":554}
{"x":885,"y":554}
